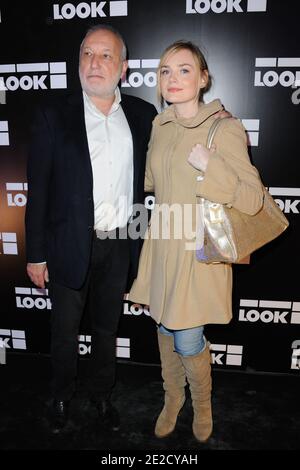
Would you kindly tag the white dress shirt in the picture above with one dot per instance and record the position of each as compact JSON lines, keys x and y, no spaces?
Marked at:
{"x":111,"y":151}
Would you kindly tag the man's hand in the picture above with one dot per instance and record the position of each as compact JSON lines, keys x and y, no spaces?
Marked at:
{"x":222,"y":114}
{"x":38,"y":274}
{"x":199,"y":156}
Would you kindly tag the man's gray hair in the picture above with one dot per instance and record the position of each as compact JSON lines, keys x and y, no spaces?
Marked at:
{"x":107,"y":27}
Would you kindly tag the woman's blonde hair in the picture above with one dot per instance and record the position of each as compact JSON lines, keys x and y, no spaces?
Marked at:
{"x":199,"y":58}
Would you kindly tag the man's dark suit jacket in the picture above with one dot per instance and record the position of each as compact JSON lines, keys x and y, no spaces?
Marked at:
{"x":60,"y":209}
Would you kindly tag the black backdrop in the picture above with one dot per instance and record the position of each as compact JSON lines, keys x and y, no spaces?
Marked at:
{"x":252,"y":50}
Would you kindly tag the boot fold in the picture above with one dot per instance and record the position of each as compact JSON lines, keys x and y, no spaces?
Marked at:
{"x":198,"y":373}
{"x":174,"y":382}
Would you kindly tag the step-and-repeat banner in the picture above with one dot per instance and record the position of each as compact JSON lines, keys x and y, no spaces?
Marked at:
{"x":252,"y":49}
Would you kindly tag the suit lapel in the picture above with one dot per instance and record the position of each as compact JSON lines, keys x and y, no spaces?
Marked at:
{"x":76,"y":124}
{"x":134,"y":127}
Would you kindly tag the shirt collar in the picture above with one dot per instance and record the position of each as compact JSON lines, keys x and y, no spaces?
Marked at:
{"x":114,"y":107}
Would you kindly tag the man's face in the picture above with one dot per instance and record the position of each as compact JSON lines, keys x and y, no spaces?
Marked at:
{"x":100,"y":64}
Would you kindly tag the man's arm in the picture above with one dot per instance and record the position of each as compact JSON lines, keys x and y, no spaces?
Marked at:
{"x":39,"y":167}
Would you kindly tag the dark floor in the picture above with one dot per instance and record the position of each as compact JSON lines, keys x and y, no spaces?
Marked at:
{"x":251,"y":412}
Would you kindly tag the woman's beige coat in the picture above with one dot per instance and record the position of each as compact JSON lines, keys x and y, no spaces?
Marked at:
{"x":182,"y":292}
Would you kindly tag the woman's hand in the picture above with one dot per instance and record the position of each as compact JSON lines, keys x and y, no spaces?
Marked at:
{"x":199,"y":156}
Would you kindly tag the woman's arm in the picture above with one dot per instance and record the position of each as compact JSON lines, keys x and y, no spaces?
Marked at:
{"x":229,"y":177}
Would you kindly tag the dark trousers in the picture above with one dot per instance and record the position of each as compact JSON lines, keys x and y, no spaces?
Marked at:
{"x":104,"y":288}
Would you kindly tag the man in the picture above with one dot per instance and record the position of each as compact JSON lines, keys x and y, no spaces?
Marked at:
{"x":85,"y":170}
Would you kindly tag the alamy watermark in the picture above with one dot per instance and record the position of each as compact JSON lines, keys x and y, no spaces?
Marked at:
{"x":168,"y":221}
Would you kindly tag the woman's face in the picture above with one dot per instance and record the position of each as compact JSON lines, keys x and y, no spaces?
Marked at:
{"x":181,"y":79}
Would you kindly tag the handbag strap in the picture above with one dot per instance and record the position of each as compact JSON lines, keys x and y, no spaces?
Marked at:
{"x":212,"y":131}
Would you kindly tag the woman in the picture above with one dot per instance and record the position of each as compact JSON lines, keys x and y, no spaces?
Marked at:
{"x":182,"y":293}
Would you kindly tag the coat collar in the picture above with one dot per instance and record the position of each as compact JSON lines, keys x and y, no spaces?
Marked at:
{"x":205,"y":111}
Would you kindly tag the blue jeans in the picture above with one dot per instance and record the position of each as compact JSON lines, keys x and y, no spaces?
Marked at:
{"x":187,"y":342}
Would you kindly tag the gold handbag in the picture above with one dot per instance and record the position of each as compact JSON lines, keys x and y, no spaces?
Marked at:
{"x":226,"y":235}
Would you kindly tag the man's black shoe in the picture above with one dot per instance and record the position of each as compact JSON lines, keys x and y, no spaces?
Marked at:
{"x":108,"y":415}
{"x":60,"y":413}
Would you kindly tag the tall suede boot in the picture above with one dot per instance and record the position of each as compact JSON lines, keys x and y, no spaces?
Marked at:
{"x":198,"y":373}
{"x":173,"y":375}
